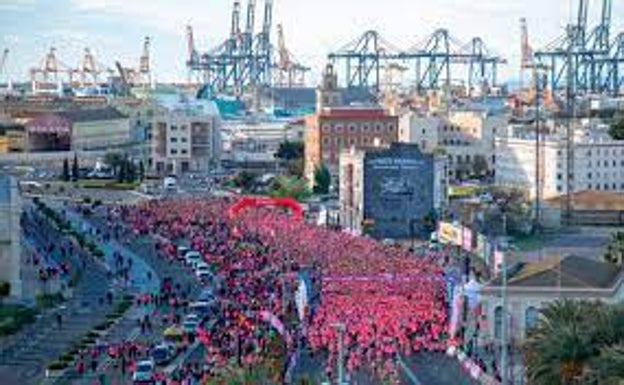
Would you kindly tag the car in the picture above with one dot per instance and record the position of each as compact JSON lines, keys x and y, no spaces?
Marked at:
{"x":204,"y":276}
{"x":202,"y":308}
{"x":190,"y":325}
{"x":201,"y":265}
{"x":192,"y":317}
{"x":182,"y":250}
{"x":192,"y":258}
{"x":206,"y":295}
{"x":163,"y":353}
{"x":144,"y":372}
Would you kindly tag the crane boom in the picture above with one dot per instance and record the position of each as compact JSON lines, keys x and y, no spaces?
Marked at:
{"x":3,"y":59}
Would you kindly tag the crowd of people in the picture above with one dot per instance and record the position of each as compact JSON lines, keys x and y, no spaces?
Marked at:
{"x":387,"y":300}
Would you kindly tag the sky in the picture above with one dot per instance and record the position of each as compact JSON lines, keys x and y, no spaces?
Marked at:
{"x":114,"y":29}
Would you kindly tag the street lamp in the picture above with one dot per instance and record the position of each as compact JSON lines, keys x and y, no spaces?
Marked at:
{"x":341,"y":328}
{"x":504,"y":331}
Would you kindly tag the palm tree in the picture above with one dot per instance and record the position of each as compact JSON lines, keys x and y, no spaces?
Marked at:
{"x":575,"y":340}
{"x":557,"y":350}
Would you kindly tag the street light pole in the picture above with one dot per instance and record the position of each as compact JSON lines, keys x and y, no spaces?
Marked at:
{"x":341,"y":328}
{"x":504,"y":331}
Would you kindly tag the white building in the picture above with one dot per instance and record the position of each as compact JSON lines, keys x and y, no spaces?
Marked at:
{"x":10,"y":241}
{"x":185,"y":136}
{"x":257,"y":140}
{"x":597,"y":162}
{"x":463,"y":134}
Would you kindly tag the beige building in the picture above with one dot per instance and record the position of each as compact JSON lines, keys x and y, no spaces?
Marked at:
{"x":88,"y":129}
{"x":184,"y":138}
{"x":463,"y":134}
{"x":10,"y":234}
{"x":538,"y":284}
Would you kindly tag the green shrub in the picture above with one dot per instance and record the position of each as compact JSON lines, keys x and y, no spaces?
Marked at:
{"x":66,"y":357}
{"x":57,"y":365}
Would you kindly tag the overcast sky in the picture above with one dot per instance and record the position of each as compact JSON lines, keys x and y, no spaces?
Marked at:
{"x":114,"y":29}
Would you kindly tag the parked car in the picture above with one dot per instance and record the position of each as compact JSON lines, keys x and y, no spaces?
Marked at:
{"x":182,"y":250}
{"x":190,"y":325}
{"x":144,"y":373}
{"x":163,"y":353}
{"x":192,"y":258}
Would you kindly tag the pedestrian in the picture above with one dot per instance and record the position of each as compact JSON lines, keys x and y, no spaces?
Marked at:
{"x":59,"y":320}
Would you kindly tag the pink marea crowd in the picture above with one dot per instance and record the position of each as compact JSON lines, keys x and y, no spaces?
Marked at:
{"x":390,"y":301}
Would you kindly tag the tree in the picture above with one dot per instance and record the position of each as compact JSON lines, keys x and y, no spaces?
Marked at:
{"x":66,"y":175}
{"x":290,"y":150}
{"x":114,"y":161}
{"x":575,"y":340}
{"x":322,"y":179}
{"x":616,"y":130}
{"x":509,"y":202}
{"x":295,"y":188}
{"x":479,"y":166}
{"x":75,"y":168}
{"x":5,"y":290}
{"x":141,"y":171}
{"x":430,"y":222}
{"x":245,"y":180}
{"x":131,"y":171}
{"x":615,"y":248}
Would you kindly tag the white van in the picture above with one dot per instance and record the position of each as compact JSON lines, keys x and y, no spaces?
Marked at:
{"x":170,"y":183}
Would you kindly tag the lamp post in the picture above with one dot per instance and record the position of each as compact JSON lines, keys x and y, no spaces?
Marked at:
{"x":341,"y":328}
{"x":504,"y":359}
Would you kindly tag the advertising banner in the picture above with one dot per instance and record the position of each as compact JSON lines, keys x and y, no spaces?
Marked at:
{"x":449,"y":233}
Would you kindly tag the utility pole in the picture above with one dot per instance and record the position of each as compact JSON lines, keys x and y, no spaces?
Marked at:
{"x":504,"y":332}
{"x":341,"y":328}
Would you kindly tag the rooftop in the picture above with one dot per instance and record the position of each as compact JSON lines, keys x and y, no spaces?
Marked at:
{"x":354,"y":112}
{"x":91,"y":114}
{"x":597,"y":200}
{"x":571,"y":272}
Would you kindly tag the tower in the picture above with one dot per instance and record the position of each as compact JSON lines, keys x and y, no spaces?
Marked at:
{"x":328,"y":94}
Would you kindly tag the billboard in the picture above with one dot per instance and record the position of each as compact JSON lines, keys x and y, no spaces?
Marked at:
{"x":449,"y":233}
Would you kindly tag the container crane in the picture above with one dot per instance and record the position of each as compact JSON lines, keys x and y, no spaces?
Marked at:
{"x":3,"y":59}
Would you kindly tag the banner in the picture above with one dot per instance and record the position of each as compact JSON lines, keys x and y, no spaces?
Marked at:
{"x":449,"y":233}
{"x":302,"y":297}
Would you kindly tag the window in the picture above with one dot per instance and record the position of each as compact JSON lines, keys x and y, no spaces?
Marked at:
{"x":338,"y":141}
{"x":352,"y":127}
{"x":589,"y":186}
{"x":326,"y":141}
{"x":378,"y":127}
{"x":531,"y":317}
{"x":559,"y":176}
{"x":352,"y":142}
{"x":589,"y":175}
{"x":423,"y":131}
{"x":606,"y":163}
{"x":183,"y":128}
{"x":326,"y":128}
{"x":589,"y":153}
{"x":606,"y":186}
{"x":174,"y":128}
{"x":174,"y":151}
{"x":183,"y":140}
{"x":390,"y":127}
{"x":184,"y":151}
{"x":614,"y":187}
{"x":614,"y":163}
{"x":365,"y":127}
{"x":174,"y":140}
{"x":338,"y":128}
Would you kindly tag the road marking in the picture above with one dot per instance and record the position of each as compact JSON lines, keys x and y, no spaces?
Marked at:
{"x":410,"y":375}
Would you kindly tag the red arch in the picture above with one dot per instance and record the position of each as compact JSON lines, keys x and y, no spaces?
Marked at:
{"x":246,"y":202}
